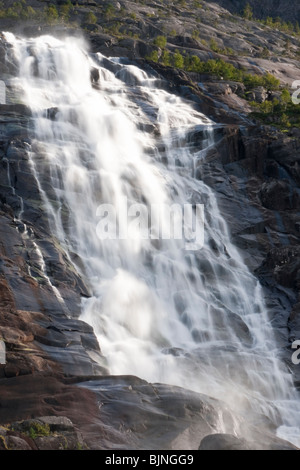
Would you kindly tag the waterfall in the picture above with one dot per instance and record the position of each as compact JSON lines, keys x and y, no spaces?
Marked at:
{"x":164,"y":310}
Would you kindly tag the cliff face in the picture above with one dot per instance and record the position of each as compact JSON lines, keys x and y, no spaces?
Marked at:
{"x":255,"y":172}
{"x":287,"y":10}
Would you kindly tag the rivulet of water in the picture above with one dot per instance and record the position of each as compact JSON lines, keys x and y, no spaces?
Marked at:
{"x":189,"y":317}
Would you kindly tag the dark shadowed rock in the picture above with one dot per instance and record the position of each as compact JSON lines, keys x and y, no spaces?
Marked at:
{"x":17,"y":443}
{"x":224,"y":442}
{"x":231,"y":442}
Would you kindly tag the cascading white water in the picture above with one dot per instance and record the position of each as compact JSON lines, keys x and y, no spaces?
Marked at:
{"x":194,"y":318}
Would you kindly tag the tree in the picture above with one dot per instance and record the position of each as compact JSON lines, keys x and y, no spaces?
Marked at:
{"x":247,"y":12}
{"x":160,"y":41}
{"x":65,"y":9}
{"x":90,"y":18}
{"x":270,"y":82}
{"x":285,"y":98}
{"x":165,"y":57}
{"x":109,"y":11}
{"x":178,"y":60}
{"x":214,"y":45}
{"x":51,"y":13}
{"x":153,"y":56}
{"x":269,"y":22}
{"x":265,"y":53}
{"x":266,"y":107}
{"x":284,"y":121}
{"x":287,"y":44}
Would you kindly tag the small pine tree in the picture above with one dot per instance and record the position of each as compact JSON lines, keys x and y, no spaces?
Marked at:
{"x":287,"y":45}
{"x":51,"y":13}
{"x":153,"y":56}
{"x":285,"y":98}
{"x":165,"y":57}
{"x":269,"y":22}
{"x":90,"y":18}
{"x":160,"y":41}
{"x":284,"y":121}
{"x":178,"y":60}
{"x":247,"y":12}
{"x":214,"y":45}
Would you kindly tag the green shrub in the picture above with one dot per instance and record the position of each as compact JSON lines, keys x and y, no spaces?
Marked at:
{"x":247,"y":12}
{"x":109,"y":11}
{"x":195,"y":34}
{"x":284,"y":121}
{"x":37,"y":429}
{"x":65,"y":9}
{"x":165,"y":57}
{"x":51,"y":13}
{"x":153,"y":56}
{"x":270,"y":82}
{"x":285,"y":98}
{"x":214,"y":45}
{"x":265,"y":53}
{"x":90,"y":18}
{"x":178,"y":60}
{"x":18,"y":10}
{"x":160,"y":41}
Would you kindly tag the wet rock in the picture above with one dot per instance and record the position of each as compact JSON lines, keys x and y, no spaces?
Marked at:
{"x":231,"y":442}
{"x":94,"y":74}
{"x":51,"y":113}
{"x":57,"y":423}
{"x":279,"y":195}
{"x":224,"y":442}
{"x":222,"y":318}
{"x":15,"y":109}
{"x":44,"y":433}
{"x":179,"y":417}
{"x":17,"y":443}
{"x":283,"y":264}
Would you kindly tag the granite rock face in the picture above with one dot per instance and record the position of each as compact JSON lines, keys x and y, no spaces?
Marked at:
{"x":286,"y":9}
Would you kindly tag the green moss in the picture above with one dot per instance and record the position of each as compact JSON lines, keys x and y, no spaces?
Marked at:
{"x":37,"y":430}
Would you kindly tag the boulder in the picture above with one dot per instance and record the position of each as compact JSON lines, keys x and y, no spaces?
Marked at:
{"x":224,"y":442}
{"x":258,"y":94}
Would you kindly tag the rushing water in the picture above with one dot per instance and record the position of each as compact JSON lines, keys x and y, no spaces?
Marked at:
{"x":162,"y":309}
